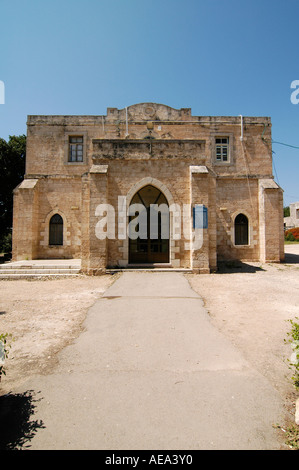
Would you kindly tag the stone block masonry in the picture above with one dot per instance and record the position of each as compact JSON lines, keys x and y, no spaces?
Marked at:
{"x":148,"y":152}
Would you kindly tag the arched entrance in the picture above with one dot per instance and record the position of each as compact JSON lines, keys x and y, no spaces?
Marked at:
{"x":149,"y":227}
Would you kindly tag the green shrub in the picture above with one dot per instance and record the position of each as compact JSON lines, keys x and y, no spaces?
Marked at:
{"x":4,"y":349}
{"x":290,"y":237}
{"x":6,"y":244}
{"x":294,"y":340}
{"x":292,"y":234}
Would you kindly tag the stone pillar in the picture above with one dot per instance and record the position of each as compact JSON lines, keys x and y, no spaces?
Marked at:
{"x":25,"y":221}
{"x":94,"y":193}
{"x":271,"y":221}
{"x":203,"y":247}
{"x":85,"y":223}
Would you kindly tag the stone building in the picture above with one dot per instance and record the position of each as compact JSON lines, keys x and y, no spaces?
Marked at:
{"x":205,"y":185}
{"x":293,"y":220}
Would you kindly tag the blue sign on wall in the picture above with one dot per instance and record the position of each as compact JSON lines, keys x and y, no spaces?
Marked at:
{"x":200,"y":216}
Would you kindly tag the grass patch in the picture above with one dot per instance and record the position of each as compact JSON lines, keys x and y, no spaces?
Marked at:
{"x":292,"y":437}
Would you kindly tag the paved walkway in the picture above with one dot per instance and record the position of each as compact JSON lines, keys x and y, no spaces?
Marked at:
{"x":151,"y":372}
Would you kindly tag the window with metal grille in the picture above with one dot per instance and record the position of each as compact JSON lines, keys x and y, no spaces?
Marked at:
{"x":222,"y":149}
{"x":241,"y":230}
{"x":56,"y":230}
{"x":75,"y":149}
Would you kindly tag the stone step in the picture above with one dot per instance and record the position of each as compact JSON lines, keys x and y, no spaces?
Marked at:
{"x":6,"y":267}
{"x":40,"y":271}
{"x":39,"y":268}
{"x":35,"y":276}
{"x":152,"y":270}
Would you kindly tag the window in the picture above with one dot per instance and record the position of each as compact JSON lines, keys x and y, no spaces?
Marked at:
{"x":75,"y":149}
{"x":222,"y":149}
{"x":241,"y":230}
{"x":56,"y":230}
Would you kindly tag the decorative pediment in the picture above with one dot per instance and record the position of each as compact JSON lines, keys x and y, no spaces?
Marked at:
{"x":149,"y":112}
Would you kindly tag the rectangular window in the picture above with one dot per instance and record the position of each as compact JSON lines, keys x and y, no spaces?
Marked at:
{"x":75,"y":149}
{"x":222,"y":149}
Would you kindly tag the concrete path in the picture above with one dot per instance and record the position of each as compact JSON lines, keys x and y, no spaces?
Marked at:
{"x":151,"y":372}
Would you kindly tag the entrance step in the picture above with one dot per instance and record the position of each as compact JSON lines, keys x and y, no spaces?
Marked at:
{"x":39,"y":269}
{"x":149,"y":268}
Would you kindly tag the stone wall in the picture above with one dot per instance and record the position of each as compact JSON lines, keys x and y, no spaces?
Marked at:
{"x":144,"y":144}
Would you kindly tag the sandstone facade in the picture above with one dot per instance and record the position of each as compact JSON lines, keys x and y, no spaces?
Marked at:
{"x":221,"y":166}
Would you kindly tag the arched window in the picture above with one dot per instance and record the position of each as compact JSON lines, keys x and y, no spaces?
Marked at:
{"x":241,"y":230}
{"x":56,"y":230}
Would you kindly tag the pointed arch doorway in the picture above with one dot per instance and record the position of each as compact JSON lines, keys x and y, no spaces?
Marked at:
{"x":152,"y":246}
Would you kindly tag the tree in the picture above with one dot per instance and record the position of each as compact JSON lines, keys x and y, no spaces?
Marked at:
{"x":12,"y":170}
{"x":286,"y":211}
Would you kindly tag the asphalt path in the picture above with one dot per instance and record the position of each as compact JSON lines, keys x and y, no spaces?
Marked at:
{"x":150,"y":371}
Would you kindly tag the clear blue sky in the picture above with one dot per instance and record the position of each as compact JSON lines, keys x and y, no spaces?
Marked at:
{"x":218,"y":57}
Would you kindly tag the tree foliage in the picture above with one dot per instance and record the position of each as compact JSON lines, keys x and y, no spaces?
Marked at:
{"x":12,"y":170}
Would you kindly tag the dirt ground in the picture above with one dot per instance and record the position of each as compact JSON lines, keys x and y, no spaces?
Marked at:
{"x":43,"y":316}
{"x":250,"y":303}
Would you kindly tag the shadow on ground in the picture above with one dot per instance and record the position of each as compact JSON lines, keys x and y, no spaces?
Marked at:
{"x":230,"y":267}
{"x":291,"y":258}
{"x":16,"y":425}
